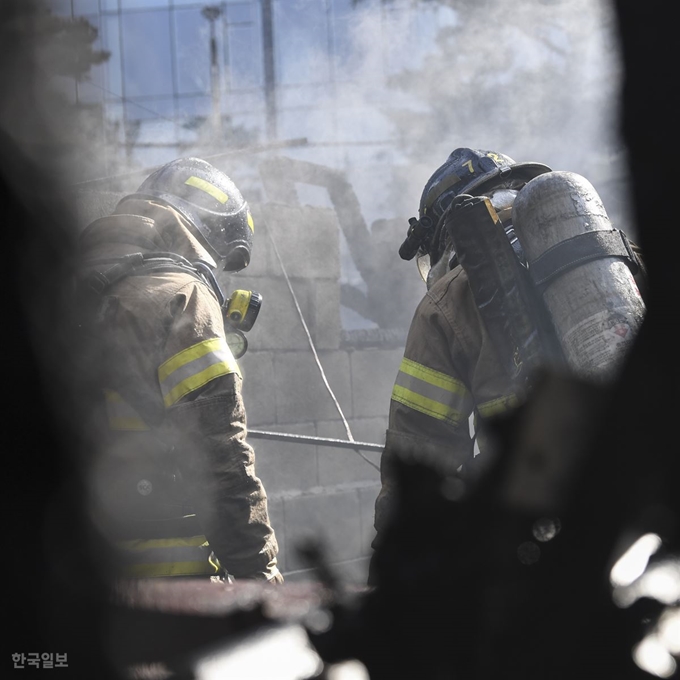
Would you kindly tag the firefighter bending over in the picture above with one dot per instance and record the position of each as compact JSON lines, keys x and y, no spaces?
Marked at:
{"x":489,"y":317}
{"x":173,"y":484}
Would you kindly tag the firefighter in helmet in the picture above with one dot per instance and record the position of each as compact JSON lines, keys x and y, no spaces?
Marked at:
{"x":172,"y":481}
{"x":449,"y":369}
{"x":465,"y":359}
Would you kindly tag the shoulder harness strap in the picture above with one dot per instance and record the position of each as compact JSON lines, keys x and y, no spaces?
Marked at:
{"x":109,"y":271}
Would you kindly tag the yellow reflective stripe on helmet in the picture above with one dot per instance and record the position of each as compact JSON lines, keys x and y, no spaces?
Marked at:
{"x":251,"y":224}
{"x":149,"y":558}
{"x":194,"y":367}
{"x":211,"y":189}
{"x":431,"y":392}
{"x":499,"y":405}
{"x":120,"y":415}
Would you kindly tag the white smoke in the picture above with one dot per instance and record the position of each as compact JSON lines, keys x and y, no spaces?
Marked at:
{"x":536,"y":80}
{"x":399,"y":85}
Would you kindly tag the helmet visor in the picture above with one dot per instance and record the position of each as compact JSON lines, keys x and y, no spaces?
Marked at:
{"x":423,"y":264}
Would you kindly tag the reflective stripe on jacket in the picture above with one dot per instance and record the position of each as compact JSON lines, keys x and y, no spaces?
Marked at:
{"x":173,"y":404}
{"x":431,"y":392}
{"x":449,"y":372}
{"x":450,"y":367}
{"x":159,"y":557}
{"x":193,"y":367}
{"x":145,"y":557}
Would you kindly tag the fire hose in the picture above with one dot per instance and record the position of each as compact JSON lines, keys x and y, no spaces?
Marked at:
{"x":321,"y":441}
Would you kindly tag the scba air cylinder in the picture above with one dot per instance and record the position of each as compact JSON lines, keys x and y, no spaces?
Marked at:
{"x":596,"y":306}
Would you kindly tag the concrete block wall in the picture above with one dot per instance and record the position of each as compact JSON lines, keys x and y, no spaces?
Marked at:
{"x":317,"y":491}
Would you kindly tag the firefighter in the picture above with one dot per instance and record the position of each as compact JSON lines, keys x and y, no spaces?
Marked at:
{"x":455,"y":362}
{"x":172,"y":482}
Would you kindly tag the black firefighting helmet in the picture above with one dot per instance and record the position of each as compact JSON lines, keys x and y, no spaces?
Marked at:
{"x":465,"y":171}
{"x":210,"y":202}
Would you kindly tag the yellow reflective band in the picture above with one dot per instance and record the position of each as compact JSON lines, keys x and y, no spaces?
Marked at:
{"x":121,"y":416}
{"x":201,"y":568}
{"x":195,"y":381}
{"x":425,"y":405}
{"x":157,"y":557}
{"x":194,"y":367}
{"x":211,"y":189}
{"x":429,"y":375}
{"x":139,"y":544}
{"x":499,"y":405}
{"x":431,"y":392}
{"x":189,"y":354}
{"x":251,"y":224}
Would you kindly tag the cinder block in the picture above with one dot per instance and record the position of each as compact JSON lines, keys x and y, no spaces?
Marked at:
{"x":284,"y":466}
{"x":367,"y":496}
{"x":333,"y":519}
{"x":257,"y":369}
{"x":278,"y":326}
{"x":326,"y":328}
{"x":373,"y":375}
{"x":307,"y":239}
{"x":342,"y":466}
{"x":301,"y":394}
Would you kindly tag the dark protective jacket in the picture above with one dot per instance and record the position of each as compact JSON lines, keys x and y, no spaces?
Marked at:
{"x":173,"y":477}
{"x":450,"y":370}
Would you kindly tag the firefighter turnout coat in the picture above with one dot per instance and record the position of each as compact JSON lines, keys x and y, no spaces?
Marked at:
{"x":172,"y":479}
{"x":449,"y":372}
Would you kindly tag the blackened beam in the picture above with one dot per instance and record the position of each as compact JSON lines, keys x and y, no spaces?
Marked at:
{"x":320,"y":441}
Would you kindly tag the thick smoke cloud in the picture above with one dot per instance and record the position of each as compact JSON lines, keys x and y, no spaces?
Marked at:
{"x":536,"y":80}
{"x":404,"y":83}
{"x":399,"y":85}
